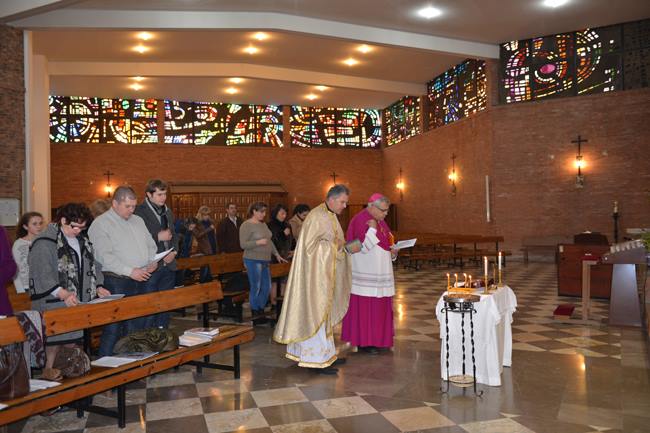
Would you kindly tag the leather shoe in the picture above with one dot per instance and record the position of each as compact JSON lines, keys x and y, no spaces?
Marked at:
{"x":329,"y":371}
{"x":370,"y":350}
{"x":339,"y":361}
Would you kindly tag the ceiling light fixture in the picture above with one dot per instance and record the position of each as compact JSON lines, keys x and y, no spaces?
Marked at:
{"x":365,"y":49}
{"x":554,"y":3}
{"x":251,"y":49}
{"x":350,"y":61}
{"x":311,"y":96}
{"x":236,"y":80}
{"x":261,"y":36}
{"x":136,"y":86}
{"x":231,"y":90}
{"x":141,"y":48}
{"x":321,"y":88}
{"x":429,"y":12}
{"x":144,"y":36}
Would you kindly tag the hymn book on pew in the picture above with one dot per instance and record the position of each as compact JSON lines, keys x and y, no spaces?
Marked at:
{"x":105,"y":299}
{"x":121,"y":359}
{"x":195,"y":336}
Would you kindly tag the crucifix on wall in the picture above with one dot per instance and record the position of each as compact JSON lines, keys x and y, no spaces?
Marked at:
{"x":333,"y":176}
{"x":109,"y":187}
{"x":580,"y":162}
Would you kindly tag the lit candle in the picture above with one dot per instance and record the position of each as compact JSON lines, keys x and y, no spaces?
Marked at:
{"x":455,"y":280}
{"x":615,"y":207}
{"x":485,"y":265}
{"x":464,"y":279}
{"x":500,"y":260}
{"x":448,"y":281}
{"x":470,"y":282}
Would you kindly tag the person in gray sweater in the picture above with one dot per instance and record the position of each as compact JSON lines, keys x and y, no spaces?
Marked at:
{"x":255,"y":240}
{"x":63,"y":272}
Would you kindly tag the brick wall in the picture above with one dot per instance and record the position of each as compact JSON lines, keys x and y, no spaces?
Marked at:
{"x":305,"y":173}
{"x":12,"y":112}
{"x":526,"y":151}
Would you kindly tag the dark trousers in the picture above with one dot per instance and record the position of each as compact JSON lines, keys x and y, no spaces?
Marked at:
{"x":162,"y":279}
{"x":114,"y":331}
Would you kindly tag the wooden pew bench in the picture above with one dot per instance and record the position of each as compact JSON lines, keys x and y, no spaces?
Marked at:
{"x":98,"y":380}
{"x":544,"y":245}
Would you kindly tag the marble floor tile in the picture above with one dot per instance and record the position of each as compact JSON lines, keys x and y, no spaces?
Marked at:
{"x":290,"y":413}
{"x":344,"y":406}
{"x":193,"y":424}
{"x":173,"y":409}
{"x":170,"y":379}
{"x":370,"y":423}
{"x":228,"y":402}
{"x":527,"y":347}
{"x":238,"y":420}
{"x":108,"y":399}
{"x":174,"y":392}
{"x":587,"y":415}
{"x":280,"y":396}
{"x":581,"y":341}
{"x":505,"y":425}
{"x":385,"y":403}
{"x":531,"y":328}
{"x":527,"y":337}
{"x":220,"y":388}
{"x":59,"y":422}
{"x":318,"y":426}
{"x":417,"y":418}
{"x":134,"y":427}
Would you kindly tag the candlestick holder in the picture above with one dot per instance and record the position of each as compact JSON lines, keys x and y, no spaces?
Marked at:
{"x":486,"y":283}
{"x":500,"y":284}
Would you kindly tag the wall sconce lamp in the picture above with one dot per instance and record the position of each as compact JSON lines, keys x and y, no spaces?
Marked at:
{"x":108,"y":188}
{"x":453,"y":176}
{"x":400,"y":185}
{"x":580,"y":162}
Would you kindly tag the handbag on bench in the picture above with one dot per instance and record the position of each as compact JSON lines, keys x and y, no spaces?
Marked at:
{"x":14,"y":377}
{"x":147,"y":340}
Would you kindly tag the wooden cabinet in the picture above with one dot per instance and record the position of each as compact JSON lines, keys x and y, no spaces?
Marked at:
{"x":569,"y":271}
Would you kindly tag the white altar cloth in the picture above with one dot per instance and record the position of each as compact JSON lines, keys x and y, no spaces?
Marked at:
{"x":492,"y":337}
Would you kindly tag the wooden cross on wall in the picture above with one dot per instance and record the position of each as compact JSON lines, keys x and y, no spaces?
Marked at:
{"x":579,"y":142}
{"x":333,"y":176}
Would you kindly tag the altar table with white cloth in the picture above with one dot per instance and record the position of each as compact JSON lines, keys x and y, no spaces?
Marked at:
{"x":492,"y":337}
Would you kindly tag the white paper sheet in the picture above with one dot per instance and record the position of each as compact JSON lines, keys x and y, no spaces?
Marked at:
{"x":105,"y":299}
{"x":121,"y":359}
{"x":160,"y":256}
{"x":404,"y":244}
{"x":38,"y":384}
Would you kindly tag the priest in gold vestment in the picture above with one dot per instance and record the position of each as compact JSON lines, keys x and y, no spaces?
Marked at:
{"x":318,"y":287}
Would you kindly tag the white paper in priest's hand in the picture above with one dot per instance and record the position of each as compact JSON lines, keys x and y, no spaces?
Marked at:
{"x":404,"y":244}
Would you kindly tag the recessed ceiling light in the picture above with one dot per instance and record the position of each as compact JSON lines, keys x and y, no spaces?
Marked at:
{"x":311,"y":96}
{"x":429,"y":12}
{"x":321,"y":88}
{"x":141,"y":48}
{"x":135,"y":86}
{"x":231,"y":90}
{"x":364,"y":48}
{"x":144,"y":36}
{"x":555,"y":3}
{"x":236,"y":80}
{"x":138,"y":78}
{"x":350,"y":61}
{"x":260,"y":36}
{"x":251,"y":49}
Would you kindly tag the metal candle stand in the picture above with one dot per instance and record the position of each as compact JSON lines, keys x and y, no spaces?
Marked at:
{"x":461,"y":303}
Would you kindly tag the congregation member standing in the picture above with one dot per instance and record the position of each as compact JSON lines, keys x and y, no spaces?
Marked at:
{"x":228,"y":231}
{"x":29,"y":226}
{"x":299,"y":214}
{"x":368,"y":323}
{"x":318,"y":287}
{"x":125,"y":249}
{"x":282,"y":239}
{"x":204,"y":233}
{"x":255,"y":240}
{"x":63,"y":272}
{"x":160,"y":223}
{"x":7,"y":271}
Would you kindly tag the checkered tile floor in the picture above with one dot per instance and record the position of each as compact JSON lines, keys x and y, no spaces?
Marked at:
{"x":398,"y":391}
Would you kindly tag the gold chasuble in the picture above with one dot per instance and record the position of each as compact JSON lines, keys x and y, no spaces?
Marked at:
{"x":319,"y":282}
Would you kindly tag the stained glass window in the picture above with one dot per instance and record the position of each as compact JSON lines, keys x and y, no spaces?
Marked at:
{"x":402,"y":119}
{"x":78,"y":119}
{"x":211,"y":123}
{"x":587,"y":61}
{"x":457,"y":93}
{"x":330,"y":127}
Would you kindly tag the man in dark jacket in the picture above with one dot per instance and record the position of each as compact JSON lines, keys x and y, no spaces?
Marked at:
{"x":160,"y":222}
{"x":228,"y":231}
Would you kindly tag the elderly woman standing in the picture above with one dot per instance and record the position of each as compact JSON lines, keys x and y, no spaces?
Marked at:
{"x":255,"y":240}
{"x":63,"y":272}
{"x":368,"y":323}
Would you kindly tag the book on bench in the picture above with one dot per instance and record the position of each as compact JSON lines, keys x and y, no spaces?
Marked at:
{"x":195,"y":336}
{"x":121,"y":359}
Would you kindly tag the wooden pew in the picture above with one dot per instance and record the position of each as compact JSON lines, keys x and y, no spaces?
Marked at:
{"x":101,"y":379}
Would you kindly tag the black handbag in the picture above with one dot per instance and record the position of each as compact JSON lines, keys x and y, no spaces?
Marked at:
{"x":72,"y":361}
{"x":14,"y":377}
{"x":147,"y":340}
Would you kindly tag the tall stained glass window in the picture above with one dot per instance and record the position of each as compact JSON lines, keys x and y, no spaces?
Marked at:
{"x":331,"y":127}
{"x":211,"y":123}
{"x":457,"y":93}
{"x":592,"y":60}
{"x":78,"y":119}
{"x":402,"y":119}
